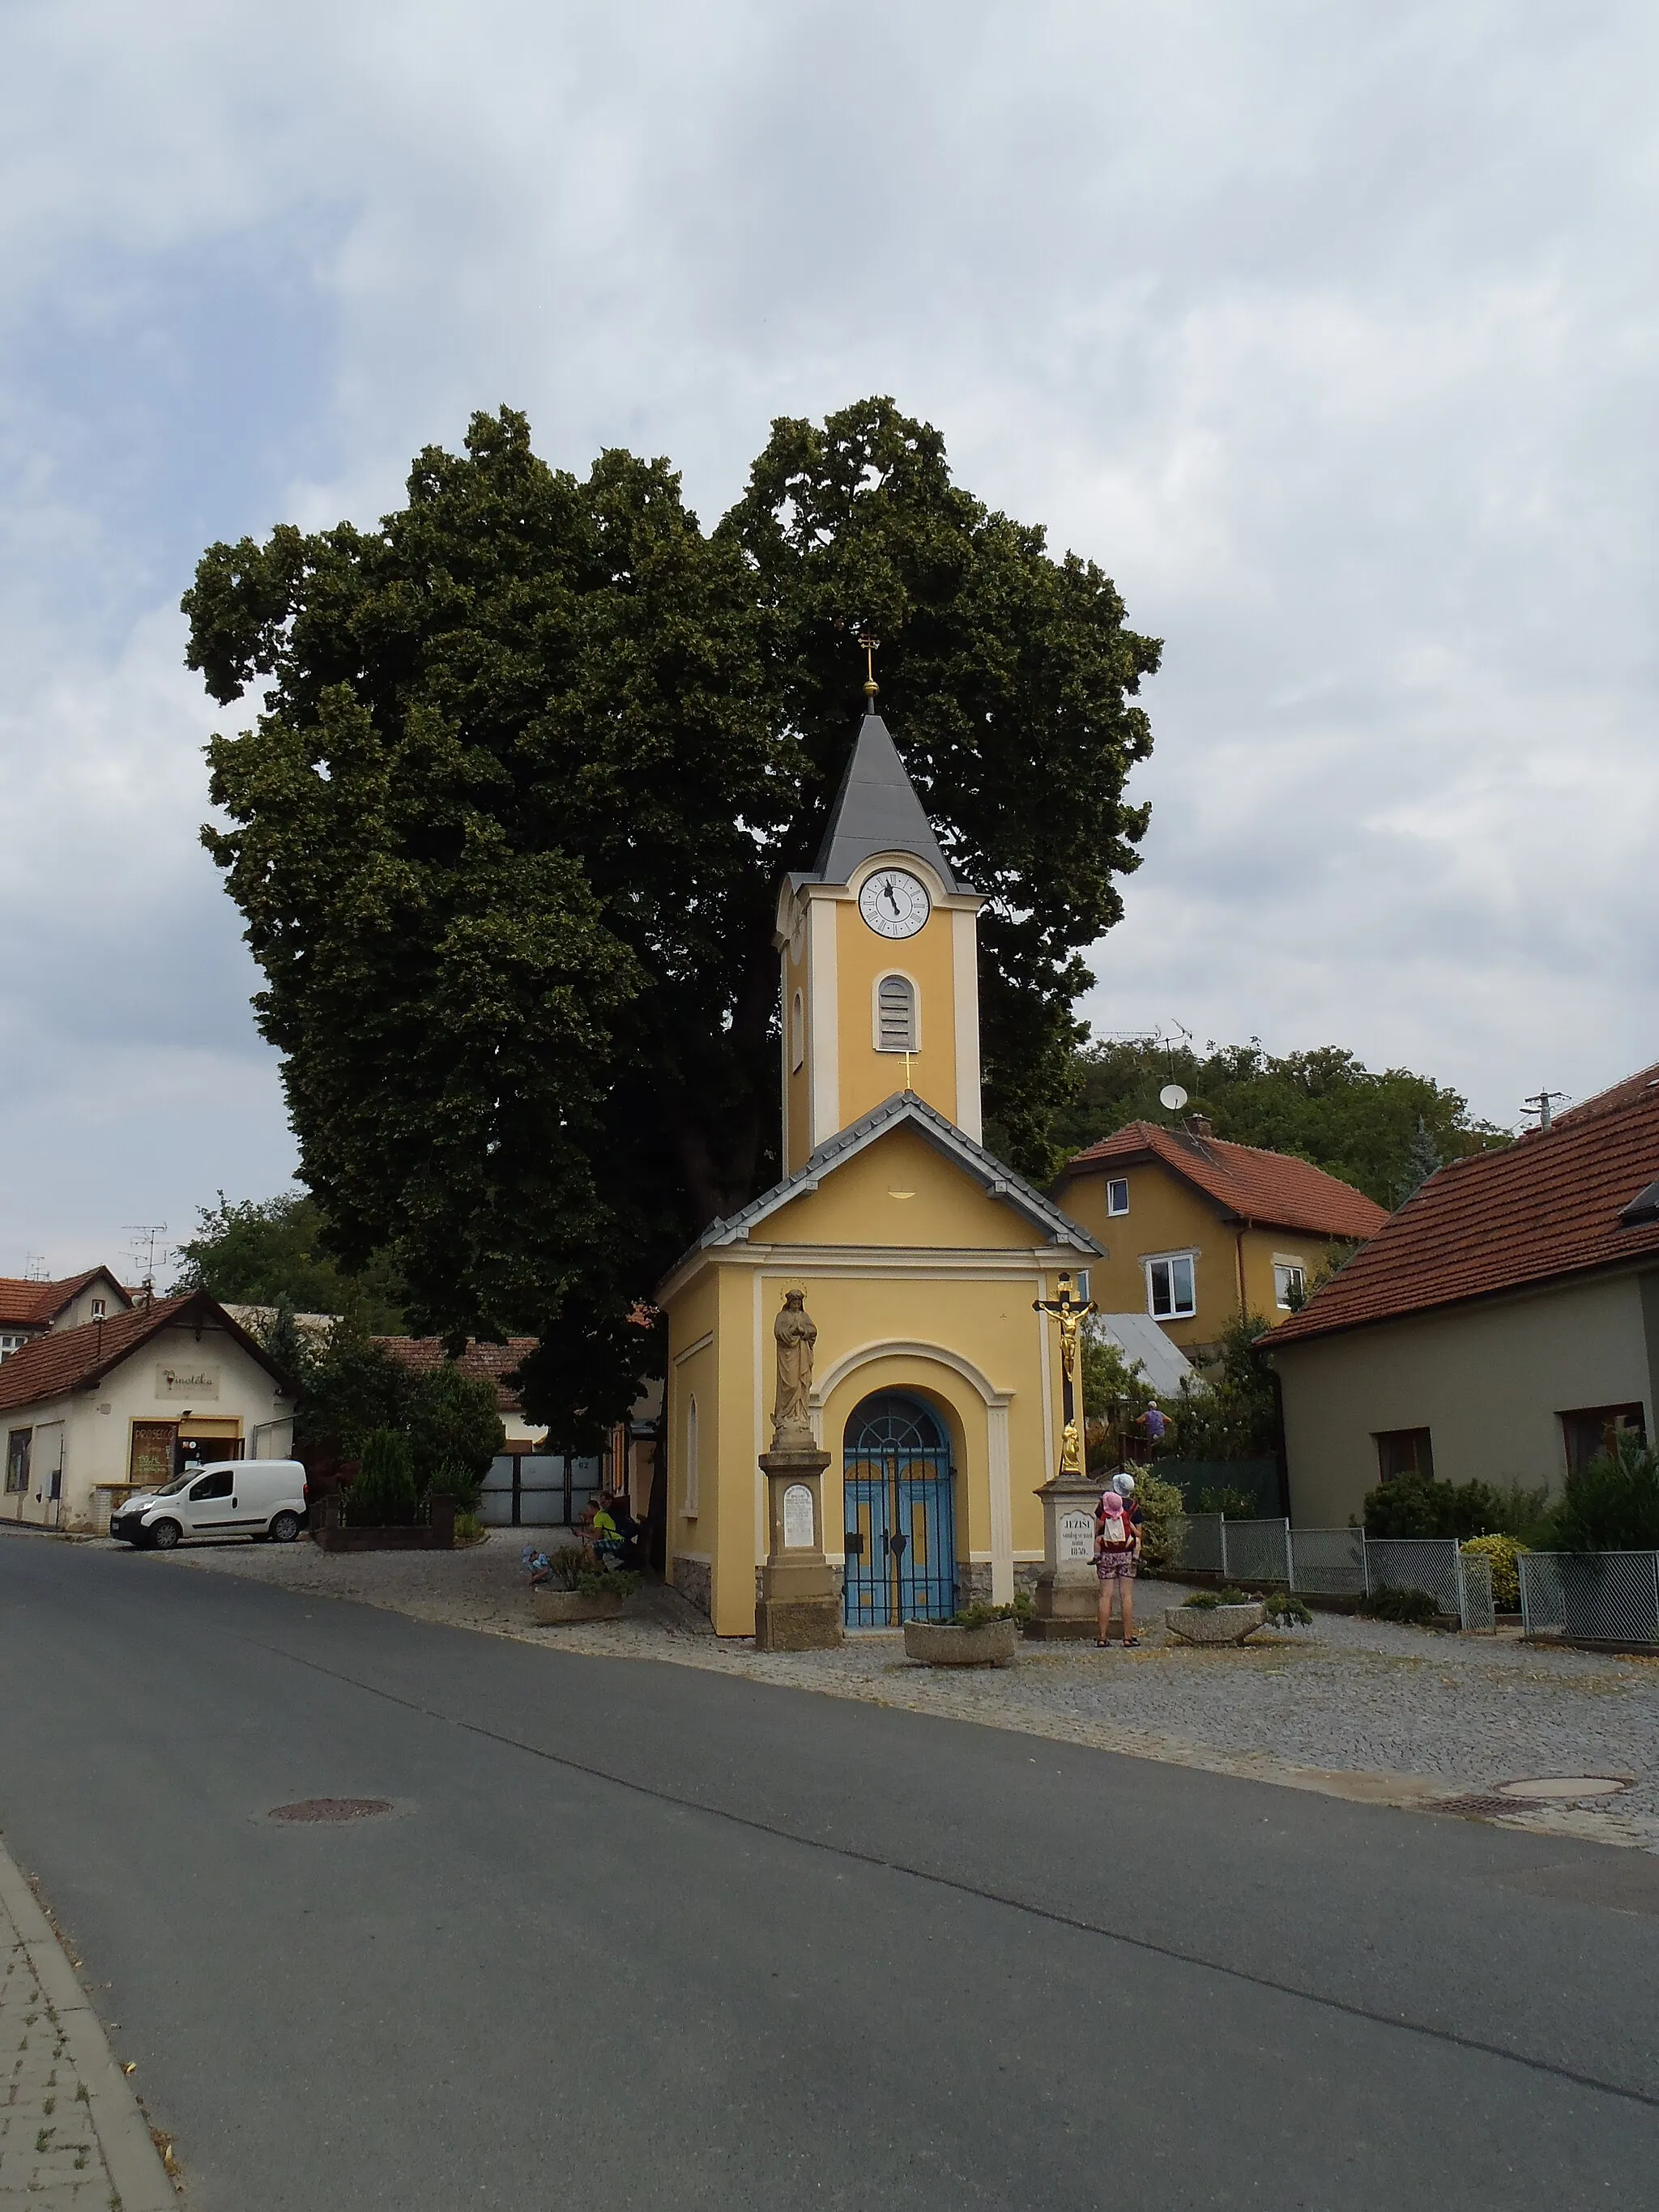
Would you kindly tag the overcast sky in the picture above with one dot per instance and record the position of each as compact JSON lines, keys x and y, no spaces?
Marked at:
{"x":1328,"y":328}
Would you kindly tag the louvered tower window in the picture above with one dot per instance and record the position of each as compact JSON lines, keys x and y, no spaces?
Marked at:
{"x":896,"y":1015}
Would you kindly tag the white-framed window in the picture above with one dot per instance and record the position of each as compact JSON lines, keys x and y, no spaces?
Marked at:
{"x":797,"y":1033}
{"x":1080,"y":1285}
{"x":98,"y":1308}
{"x":898,"y":1025}
{"x":1118,"y":1195}
{"x":1171,"y":1286}
{"x":1290,"y":1285}
{"x":688,"y":1499}
{"x":10,"y":1344}
{"x":17,"y":1459}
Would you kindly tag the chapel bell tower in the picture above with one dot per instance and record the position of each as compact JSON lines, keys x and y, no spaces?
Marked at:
{"x":878,"y":949}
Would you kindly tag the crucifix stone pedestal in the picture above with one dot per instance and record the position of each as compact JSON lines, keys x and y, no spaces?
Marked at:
{"x":798,"y":1608}
{"x":1068,"y":1589}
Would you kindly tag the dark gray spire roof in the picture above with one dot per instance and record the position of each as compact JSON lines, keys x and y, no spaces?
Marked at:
{"x":877,"y":810}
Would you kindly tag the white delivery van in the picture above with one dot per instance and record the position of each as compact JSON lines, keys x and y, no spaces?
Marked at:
{"x":246,"y":1497}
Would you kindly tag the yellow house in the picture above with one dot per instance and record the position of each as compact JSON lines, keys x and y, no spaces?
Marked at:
{"x":1195,"y":1232}
{"x":936,"y":1388}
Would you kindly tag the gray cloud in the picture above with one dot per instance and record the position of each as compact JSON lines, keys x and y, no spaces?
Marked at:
{"x":1324,"y":328}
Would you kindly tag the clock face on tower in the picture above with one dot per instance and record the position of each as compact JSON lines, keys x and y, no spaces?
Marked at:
{"x":894,"y":903}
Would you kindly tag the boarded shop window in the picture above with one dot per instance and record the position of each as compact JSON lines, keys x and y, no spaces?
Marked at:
{"x":17,"y":1459}
{"x":1591,"y":1430}
{"x":1404,"y":1451}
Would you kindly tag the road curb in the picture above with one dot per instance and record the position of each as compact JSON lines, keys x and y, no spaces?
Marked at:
{"x":135,"y":2166}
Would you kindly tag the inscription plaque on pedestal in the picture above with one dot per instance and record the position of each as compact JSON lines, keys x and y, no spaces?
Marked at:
{"x":1076,"y":1535}
{"x":799,"y":1534}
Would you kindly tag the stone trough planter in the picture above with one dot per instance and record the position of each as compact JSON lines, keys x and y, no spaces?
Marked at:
{"x":936,"y":1645}
{"x":1213,"y":1624}
{"x":558,"y":1608}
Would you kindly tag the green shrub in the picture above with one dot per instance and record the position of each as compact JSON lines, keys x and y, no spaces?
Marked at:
{"x":1162,"y":1512}
{"x":1416,"y":1505}
{"x":1286,"y":1610}
{"x":1207,"y":1601}
{"x":451,"y":1479}
{"x":982,"y":1614}
{"x":1612,"y":1504}
{"x":1236,"y":1504}
{"x":383,"y":1494}
{"x":1415,"y":1608}
{"x":1502,"y":1552}
{"x":454,"y":1430}
{"x":469,"y":1530}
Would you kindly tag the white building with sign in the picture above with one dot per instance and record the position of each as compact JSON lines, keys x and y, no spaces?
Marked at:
{"x":89,"y":1412}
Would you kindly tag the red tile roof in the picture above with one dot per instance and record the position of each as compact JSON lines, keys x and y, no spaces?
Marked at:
{"x":74,"y":1358}
{"x":1267,"y":1188}
{"x":24,"y":1304}
{"x":488,"y":1362}
{"x":1546,"y":1207}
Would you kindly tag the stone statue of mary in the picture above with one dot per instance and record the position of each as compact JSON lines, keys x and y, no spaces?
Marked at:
{"x":795,"y":1333}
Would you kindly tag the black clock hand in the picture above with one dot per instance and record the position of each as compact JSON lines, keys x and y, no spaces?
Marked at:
{"x":892,"y":901}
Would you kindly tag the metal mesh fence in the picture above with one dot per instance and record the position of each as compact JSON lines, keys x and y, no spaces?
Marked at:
{"x":1199,"y":1548}
{"x":1425,"y":1562}
{"x":1329,"y":1562}
{"x":1475,"y":1610}
{"x":1256,"y":1551}
{"x":1591,"y":1597}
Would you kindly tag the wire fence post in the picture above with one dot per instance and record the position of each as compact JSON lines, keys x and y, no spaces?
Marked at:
{"x":1223,"y":1548}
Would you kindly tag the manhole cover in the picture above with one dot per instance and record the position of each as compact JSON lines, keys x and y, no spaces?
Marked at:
{"x":1547,"y":1786}
{"x":315,"y":1809}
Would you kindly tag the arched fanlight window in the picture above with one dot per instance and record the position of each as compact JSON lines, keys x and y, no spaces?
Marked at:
{"x":689,"y":1506}
{"x":896,"y":1014}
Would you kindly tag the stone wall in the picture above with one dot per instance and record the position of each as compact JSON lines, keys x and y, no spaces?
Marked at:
{"x":691,"y":1578}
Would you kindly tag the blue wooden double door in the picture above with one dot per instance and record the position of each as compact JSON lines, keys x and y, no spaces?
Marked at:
{"x":900,"y":1522}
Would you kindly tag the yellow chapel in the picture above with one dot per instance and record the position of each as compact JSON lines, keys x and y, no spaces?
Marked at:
{"x":936,"y":1388}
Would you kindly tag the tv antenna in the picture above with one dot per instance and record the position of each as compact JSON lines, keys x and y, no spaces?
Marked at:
{"x":1542,"y":1103}
{"x":145,"y":1249}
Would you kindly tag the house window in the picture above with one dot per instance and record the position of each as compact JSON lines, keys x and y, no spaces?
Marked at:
{"x":98,"y":1308}
{"x":1591,"y":1430}
{"x":1118,"y":1195}
{"x":10,"y":1344}
{"x":896,"y":1014}
{"x":17,"y":1459}
{"x":1170,"y":1294}
{"x":1404,"y":1451}
{"x":797,"y":1032}
{"x":1080,"y":1286}
{"x":689,"y":1506}
{"x":1290,"y":1285}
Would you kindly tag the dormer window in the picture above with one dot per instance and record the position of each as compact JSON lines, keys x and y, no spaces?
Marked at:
{"x":98,"y":1308}
{"x":896,"y":1014}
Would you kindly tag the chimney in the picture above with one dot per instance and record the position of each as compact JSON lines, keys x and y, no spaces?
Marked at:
{"x":1200,"y":1125}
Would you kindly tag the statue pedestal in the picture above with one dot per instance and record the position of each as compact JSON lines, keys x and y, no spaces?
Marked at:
{"x":1068,"y":1589}
{"x":799,"y":1608}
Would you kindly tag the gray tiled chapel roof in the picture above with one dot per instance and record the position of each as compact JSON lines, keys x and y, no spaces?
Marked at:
{"x":998,"y":1180}
{"x":877,"y":810}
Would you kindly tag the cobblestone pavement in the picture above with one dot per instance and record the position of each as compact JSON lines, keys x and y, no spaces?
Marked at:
{"x":72,"y":2137}
{"x":1355,"y":1708}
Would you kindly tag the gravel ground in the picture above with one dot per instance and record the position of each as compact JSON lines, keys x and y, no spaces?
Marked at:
{"x":1359,"y":1708}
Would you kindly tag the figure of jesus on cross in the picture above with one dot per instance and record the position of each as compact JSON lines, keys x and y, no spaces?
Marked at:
{"x":1071,"y":1314}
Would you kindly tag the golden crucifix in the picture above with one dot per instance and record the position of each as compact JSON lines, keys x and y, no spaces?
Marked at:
{"x":1071,"y":1314}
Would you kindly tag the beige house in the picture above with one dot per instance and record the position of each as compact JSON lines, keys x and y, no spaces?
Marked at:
{"x":29,"y":1309}
{"x":1500,"y":1326}
{"x":89,"y":1412}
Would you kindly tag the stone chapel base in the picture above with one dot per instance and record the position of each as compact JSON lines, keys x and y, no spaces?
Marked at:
{"x":797,"y":1624}
{"x":798,"y":1608}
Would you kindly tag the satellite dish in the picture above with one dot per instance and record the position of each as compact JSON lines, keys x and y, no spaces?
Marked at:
{"x":1173,"y":1097}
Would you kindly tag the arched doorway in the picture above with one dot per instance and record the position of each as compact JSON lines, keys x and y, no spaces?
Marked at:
{"x":901,"y":1514}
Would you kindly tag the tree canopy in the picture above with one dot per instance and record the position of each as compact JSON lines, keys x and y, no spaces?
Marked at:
{"x":534,"y":757}
{"x":272,"y":1252}
{"x":1381,"y":1131}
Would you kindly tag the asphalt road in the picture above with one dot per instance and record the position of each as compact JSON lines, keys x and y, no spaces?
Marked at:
{"x":643,"y":1936}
